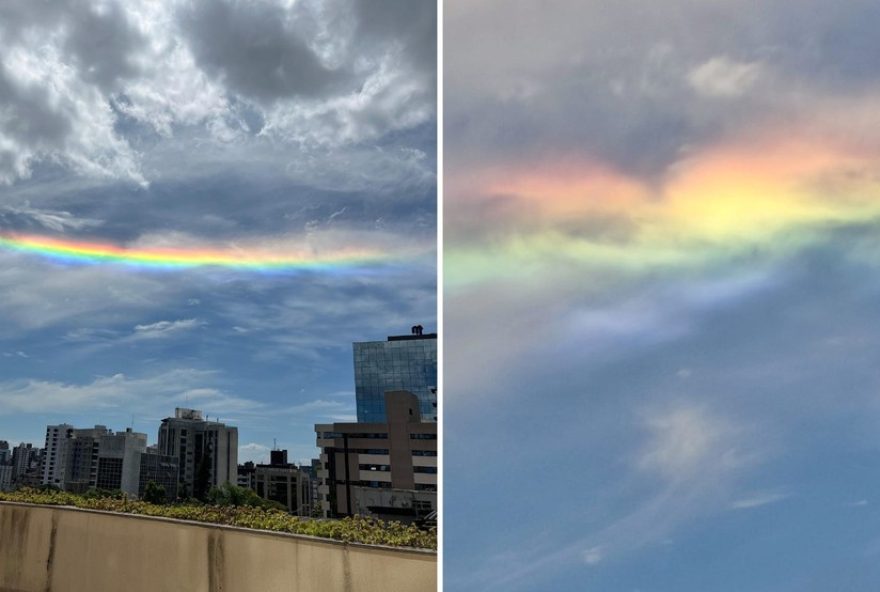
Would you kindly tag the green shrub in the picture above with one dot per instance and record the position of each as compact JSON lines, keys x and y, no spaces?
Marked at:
{"x":357,"y":529}
{"x":155,"y":493}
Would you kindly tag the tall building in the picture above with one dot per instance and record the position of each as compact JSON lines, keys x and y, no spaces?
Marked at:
{"x":22,"y":459}
{"x":119,"y":461}
{"x":201,"y":447}
{"x":79,"y":458}
{"x":5,"y":477}
{"x":53,"y":463}
{"x":284,"y":483}
{"x":399,"y":456}
{"x":159,"y":468}
{"x":403,"y":362}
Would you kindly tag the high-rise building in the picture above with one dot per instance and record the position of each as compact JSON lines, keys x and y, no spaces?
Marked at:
{"x":403,"y":362}
{"x":79,"y":458}
{"x":22,"y":460}
{"x":161,"y":469}
{"x":207,"y":451}
{"x":119,"y":461}
{"x":53,"y":462}
{"x":399,"y":455}
{"x":5,"y":477}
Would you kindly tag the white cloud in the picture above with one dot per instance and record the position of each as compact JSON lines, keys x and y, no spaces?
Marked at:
{"x":253,"y":452}
{"x":723,"y":77}
{"x":593,"y":556}
{"x":321,"y":410}
{"x":687,"y":440}
{"x":155,"y":395}
{"x":162,"y":329}
{"x":38,"y":294}
{"x":57,"y":220}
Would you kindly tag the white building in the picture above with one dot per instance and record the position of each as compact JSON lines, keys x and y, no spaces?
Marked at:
{"x":53,"y":463}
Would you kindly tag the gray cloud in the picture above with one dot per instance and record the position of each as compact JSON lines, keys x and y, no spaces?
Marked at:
{"x":616,"y":80}
{"x":255,"y":53}
{"x":88,"y":85}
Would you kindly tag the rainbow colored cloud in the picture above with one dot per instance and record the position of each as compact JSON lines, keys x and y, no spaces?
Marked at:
{"x":274,"y":259}
{"x":769,"y":192}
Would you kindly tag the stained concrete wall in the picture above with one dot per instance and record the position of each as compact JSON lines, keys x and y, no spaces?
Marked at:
{"x":53,"y":549}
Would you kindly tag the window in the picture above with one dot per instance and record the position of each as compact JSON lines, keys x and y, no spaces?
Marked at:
{"x":370,"y":467}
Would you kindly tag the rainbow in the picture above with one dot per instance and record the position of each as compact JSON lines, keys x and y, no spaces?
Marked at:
{"x":724,"y":203}
{"x":165,"y":258}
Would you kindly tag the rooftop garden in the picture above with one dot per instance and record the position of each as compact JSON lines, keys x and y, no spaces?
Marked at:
{"x":355,"y":530}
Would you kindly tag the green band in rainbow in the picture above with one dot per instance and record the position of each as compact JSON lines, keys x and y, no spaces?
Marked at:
{"x":163,"y":258}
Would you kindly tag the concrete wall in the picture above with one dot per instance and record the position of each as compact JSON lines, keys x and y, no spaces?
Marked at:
{"x":52,"y":549}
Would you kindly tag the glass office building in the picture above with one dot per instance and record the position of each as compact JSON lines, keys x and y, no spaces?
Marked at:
{"x":404,"y":362}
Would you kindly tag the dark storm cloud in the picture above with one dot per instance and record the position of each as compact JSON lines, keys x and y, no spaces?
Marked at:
{"x":249,"y":46}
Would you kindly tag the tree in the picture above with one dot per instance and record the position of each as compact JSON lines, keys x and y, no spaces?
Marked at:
{"x":232,"y":495}
{"x":154,"y":493}
{"x":202,"y":484}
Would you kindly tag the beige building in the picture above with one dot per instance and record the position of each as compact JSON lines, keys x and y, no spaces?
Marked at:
{"x":193,"y":440}
{"x":365,"y":463}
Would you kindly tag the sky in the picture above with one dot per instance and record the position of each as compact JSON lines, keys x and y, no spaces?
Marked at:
{"x":204,"y":203}
{"x":660,"y":295}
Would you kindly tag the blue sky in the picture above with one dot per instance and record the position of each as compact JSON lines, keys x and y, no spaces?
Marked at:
{"x":210,"y":124}
{"x":660,"y":307}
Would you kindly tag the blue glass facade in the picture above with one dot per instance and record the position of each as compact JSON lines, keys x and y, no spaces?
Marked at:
{"x":406,"y":363}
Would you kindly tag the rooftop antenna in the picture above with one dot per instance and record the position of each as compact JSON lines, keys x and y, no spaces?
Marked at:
{"x":274,"y":443}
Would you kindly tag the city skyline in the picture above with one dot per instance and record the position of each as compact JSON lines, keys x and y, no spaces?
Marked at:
{"x":152,"y":435}
{"x":182,"y":225}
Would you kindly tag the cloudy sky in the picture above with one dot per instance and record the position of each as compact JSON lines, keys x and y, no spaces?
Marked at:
{"x":661,"y":287}
{"x":266,"y":128}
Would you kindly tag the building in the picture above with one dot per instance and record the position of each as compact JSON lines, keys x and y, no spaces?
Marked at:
{"x":23,"y":458}
{"x":247,"y":475}
{"x":403,"y":362}
{"x":161,"y":469}
{"x":78,"y":459}
{"x":398,"y":455}
{"x":5,"y":477}
{"x":312,"y":471}
{"x":284,"y":483}
{"x":53,"y":463}
{"x":119,"y":461}
{"x":206,"y":451}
